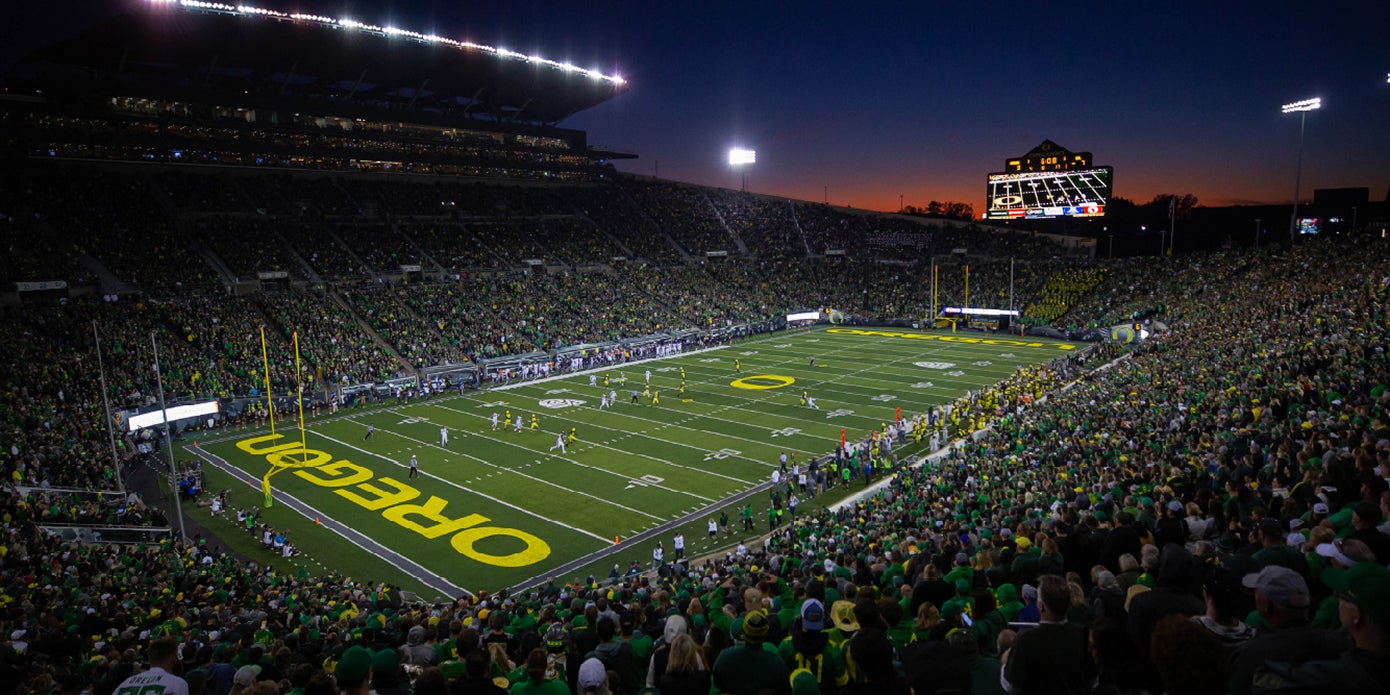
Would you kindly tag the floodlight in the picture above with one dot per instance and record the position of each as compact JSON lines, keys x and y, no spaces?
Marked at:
{"x":740,"y":156}
{"x":1301,"y":108}
{"x":1305,"y":105}
{"x":392,"y":31}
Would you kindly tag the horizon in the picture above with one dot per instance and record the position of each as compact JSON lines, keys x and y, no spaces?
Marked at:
{"x":857,"y":106}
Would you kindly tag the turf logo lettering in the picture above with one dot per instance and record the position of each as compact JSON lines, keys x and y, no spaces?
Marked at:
{"x":762,"y":382}
{"x":950,"y":338}
{"x":397,"y":503}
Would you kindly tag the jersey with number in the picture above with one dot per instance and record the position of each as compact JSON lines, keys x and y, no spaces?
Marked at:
{"x":155,"y":681}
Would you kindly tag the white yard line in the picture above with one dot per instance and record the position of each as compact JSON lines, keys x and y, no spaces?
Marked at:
{"x":347,"y":533}
{"x":591,"y":442}
{"x":516,"y":471}
{"x":464,"y":489}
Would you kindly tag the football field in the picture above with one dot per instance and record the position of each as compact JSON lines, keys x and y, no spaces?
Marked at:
{"x":495,"y":508}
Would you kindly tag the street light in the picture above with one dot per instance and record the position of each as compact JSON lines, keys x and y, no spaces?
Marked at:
{"x":740,"y":159}
{"x":1301,"y":108}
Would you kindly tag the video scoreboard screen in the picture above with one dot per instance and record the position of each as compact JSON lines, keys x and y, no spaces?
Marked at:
{"x":1046,"y":194}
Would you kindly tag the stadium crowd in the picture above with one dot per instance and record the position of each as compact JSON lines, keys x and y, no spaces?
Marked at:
{"x":1203,"y":514}
{"x":1249,"y":444}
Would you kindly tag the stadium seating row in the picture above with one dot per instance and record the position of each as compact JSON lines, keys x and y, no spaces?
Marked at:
{"x":1122,"y":512}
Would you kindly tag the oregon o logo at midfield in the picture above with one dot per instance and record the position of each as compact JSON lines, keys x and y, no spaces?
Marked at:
{"x":762,"y":382}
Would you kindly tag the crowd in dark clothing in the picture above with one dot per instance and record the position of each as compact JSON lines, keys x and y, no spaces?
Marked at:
{"x":1207,"y":513}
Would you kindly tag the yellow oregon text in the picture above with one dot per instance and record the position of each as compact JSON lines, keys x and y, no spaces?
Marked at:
{"x":951,"y":338}
{"x":393,"y":499}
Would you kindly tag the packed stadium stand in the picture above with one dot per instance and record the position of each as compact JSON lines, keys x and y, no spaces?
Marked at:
{"x":1093,"y":537}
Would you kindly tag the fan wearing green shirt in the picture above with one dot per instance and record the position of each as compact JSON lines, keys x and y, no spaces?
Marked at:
{"x":539,"y":679}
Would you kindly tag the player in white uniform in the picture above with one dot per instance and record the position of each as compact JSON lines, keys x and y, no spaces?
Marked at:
{"x":444,"y":436}
{"x":603,"y":401}
{"x":559,"y":443}
{"x":593,"y":380}
{"x":811,"y":403}
{"x":494,"y":420}
{"x":649,"y":376}
{"x":518,"y":423}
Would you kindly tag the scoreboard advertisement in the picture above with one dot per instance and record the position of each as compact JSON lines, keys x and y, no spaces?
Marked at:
{"x":1048,"y":194}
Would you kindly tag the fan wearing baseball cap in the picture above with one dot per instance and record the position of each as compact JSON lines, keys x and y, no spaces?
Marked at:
{"x":354,"y":671}
{"x":1281,"y":597}
{"x":1364,"y":594}
{"x":593,"y":677}
{"x":808,"y":647}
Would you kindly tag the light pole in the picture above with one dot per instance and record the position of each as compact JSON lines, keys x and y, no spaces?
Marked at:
{"x":1301,"y":108}
{"x":106,"y":401}
{"x":740,"y":159}
{"x":168,"y":441}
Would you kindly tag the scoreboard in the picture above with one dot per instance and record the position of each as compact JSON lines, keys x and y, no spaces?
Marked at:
{"x":1048,"y":194}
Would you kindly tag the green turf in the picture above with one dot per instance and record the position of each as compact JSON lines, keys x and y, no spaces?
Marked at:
{"x":633,"y":468}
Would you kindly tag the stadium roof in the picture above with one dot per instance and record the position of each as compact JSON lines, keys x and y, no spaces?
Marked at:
{"x":164,"y":44}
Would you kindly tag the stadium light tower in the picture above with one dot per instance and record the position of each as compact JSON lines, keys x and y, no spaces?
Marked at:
{"x":1301,"y":108}
{"x":741,"y":159}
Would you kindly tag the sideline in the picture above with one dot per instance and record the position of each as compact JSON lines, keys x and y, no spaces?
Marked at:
{"x":381,"y":552}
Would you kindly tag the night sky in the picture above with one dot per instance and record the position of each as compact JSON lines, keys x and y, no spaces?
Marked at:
{"x":875,"y":100}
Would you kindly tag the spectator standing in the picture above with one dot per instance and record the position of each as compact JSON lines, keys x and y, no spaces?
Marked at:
{"x":1364,"y":593}
{"x":686,"y":673}
{"x":1365,"y":517}
{"x":808,"y":647}
{"x":747,"y":668}
{"x":1222,"y":593}
{"x":593,"y":678}
{"x":159,"y":679}
{"x":1281,"y":598}
{"x":1052,"y":657}
{"x":354,"y":671}
{"x":540,"y":679}
{"x":1172,"y":594}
